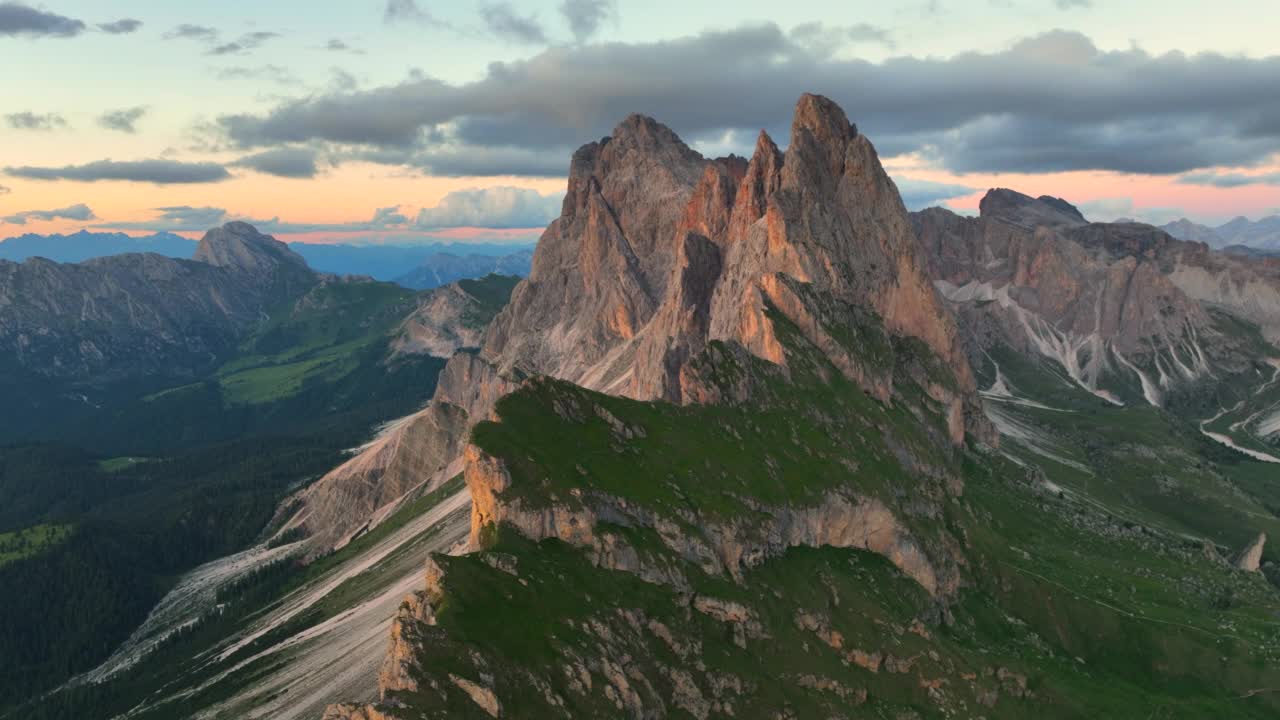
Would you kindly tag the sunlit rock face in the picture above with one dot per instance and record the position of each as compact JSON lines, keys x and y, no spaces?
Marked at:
{"x":658,"y":252}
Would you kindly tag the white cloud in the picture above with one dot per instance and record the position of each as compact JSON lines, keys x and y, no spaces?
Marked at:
{"x":496,"y":207}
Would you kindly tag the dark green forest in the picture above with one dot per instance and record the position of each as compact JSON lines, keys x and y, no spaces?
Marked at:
{"x":104,"y":505}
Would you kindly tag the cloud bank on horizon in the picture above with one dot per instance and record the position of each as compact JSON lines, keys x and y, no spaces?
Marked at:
{"x":483,"y":140}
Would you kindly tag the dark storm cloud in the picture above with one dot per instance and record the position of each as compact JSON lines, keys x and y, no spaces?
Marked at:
{"x":1052,"y":102}
{"x":125,"y":120}
{"x":586,"y":16}
{"x":1229,"y":179}
{"x":471,"y":160}
{"x":506,"y":24}
{"x":175,"y":218}
{"x":197,"y":216}
{"x":1152,"y":145}
{"x":75,"y":212}
{"x":120,"y":27}
{"x":17,"y":19}
{"x":822,"y":39}
{"x":159,"y":172}
{"x":35,"y":121}
{"x":282,"y":162}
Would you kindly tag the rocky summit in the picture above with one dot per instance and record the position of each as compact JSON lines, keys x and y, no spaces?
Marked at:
{"x":659,"y":253}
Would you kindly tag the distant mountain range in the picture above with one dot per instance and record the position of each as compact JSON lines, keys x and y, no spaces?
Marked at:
{"x":444,"y":268}
{"x":84,"y":245}
{"x":1262,"y":234}
{"x":419,"y":267}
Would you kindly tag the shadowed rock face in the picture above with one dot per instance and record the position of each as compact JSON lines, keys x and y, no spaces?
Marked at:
{"x":659,"y":251}
{"x":1027,"y":212}
{"x":137,"y":315}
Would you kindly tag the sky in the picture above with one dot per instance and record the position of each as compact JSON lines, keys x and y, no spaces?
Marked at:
{"x":413,"y":120}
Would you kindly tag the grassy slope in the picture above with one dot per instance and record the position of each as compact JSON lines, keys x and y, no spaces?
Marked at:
{"x":319,"y":339}
{"x":31,"y":541}
{"x":1105,"y":614}
{"x":1139,"y":462}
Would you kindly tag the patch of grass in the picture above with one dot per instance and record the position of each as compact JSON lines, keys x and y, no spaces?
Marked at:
{"x":31,"y":541}
{"x":492,"y":292}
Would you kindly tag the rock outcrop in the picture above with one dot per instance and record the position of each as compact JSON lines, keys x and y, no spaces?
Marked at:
{"x":728,"y":549}
{"x":1030,"y":213}
{"x":1250,"y":559}
{"x":446,"y":320}
{"x":659,"y":252}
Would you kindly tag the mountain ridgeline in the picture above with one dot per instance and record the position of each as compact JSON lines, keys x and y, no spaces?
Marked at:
{"x":817,"y":416}
{"x":127,"y":316}
{"x":1258,"y":235}
{"x":1129,"y":312}
{"x":751,"y":440}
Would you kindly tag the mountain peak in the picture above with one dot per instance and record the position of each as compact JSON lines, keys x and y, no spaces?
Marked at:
{"x":644,"y":134}
{"x":821,"y":116}
{"x":1025,"y":211}
{"x":239,"y":245}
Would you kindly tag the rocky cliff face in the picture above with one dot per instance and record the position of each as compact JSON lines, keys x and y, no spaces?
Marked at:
{"x":1123,"y":307}
{"x":451,"y":317}
{"x":1251,"y":557}
{"x":659,"y":252}
{"x":139,"y":315}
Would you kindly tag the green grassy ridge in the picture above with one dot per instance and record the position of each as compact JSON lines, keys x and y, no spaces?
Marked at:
{"x":1082,"y":655}
{"x":491,"y":292}
{"x":1096,"y":596}
{"x":571,"y":611}
{"x":317,"y":337}
{"x":1055,"y":600}
{"x":323,"y":340}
